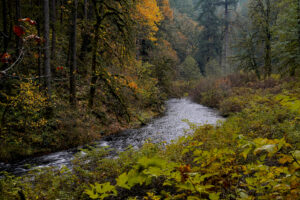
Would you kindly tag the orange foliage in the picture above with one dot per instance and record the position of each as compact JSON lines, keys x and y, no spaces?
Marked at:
{"x":5,"y":58}
{"x":148,"y":15}
{"x":133,"y":85}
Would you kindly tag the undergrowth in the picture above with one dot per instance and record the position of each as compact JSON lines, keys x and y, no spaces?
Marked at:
{"x":254,"y":154}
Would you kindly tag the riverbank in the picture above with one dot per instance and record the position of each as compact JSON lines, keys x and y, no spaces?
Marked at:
{"x":164,"y":128}
{"x":67,"y":128}
{"x":77,"y":131}
{"x":32,"y":126}
{"x":254,"y":154}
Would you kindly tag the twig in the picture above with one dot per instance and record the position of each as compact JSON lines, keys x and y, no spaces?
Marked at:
{"x":16,"y":62}
{"x":3,"y":34}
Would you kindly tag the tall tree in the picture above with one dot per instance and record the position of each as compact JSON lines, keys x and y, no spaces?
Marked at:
{"x":85,"y":6}
{"x":4,"y":34}
{"x":210,"y":38}
{"x":47,"y":55}
{"x":18,"y":16}
{"x":53,"y":22}
{"x":86,"y":33}
{"x":113,"y":30}
{"x":286,"y":47}
{"x":298,"y":19}
{"x":73,"y":63}
{"x":228,"y":4}
{"x":263,"y":15}
{"x":246,"y":50}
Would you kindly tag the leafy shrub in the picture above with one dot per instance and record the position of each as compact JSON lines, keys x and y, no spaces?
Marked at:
{"x":231,"y":105}
{"x":23,"y":120}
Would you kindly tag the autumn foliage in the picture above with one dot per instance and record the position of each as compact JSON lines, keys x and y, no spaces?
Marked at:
{"x":19,"y":31}
{"x":148,"y":16}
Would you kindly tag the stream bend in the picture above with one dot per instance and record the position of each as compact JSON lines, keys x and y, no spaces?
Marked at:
{"x":163,"y":129}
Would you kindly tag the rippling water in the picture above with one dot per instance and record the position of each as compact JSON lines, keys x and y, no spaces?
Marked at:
{"x":166,"y":128}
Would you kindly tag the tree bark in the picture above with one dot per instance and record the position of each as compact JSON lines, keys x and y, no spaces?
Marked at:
{"x":94,"y":58}
{"x":298,"y":19}
{"x":4,"y":22}
{"x":94,"y":64}
{"x":293,"y":69}
{"x":53,"y":21}
{"x":268,"y":64}
{"x":39,"y":61}
{"x":18,"y":16}
{"x":61,"y":12}
{"x":86,"y":41}
{"x":39,"y":68}
{"x":10,"y":17}
{"x":226,"y":34}
{"x":47,"y":69}
{"x":73,"y":64}
{"x":85,"y":9}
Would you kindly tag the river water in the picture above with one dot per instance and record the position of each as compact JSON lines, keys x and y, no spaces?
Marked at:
{"x":166,"y":128}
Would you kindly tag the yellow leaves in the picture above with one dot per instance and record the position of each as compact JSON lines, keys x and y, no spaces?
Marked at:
{"x":270,"y":146}
{"x":151,"y":196}
{"x":148,"y":15}
{"x":29,"y":97}
{"x":285,"y":159}
{"x":28,"y":103}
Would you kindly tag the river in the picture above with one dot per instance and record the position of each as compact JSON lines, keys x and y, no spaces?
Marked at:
{"x":166,"y":128}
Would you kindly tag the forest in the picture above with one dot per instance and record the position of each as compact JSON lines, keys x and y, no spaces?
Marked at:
{"x":76,"y":72}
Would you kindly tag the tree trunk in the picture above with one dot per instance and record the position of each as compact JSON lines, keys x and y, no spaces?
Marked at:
{"x":268,"y":64}
{"x":47,"y":69}
{"x":53,"y":21}
{"x":226,"y":34}
{"x":293,"y":69}
{"x":94,"y":64}
{"x":39,"y":68}
{"x":10,"y":17}
{"x":39,"y":32}
{"x":298,"y":18}
{"x":61,"y":12}
{"x":85,"y":9}
{"x":4,"y":22}
{"x":94,"y":58}
{"x":73,"y":64}
{"x":85,"y":36}
{"x":18,"y":16}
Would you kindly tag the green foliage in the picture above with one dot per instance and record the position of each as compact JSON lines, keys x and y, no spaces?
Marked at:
{"x":213,"y":68}
{"x":105,"y":190}
{"x":268,"y":37}
{"x":150,"y":95}
{"x":189,"y":69}
{"x":286,"y":45}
